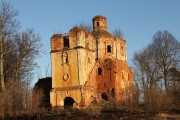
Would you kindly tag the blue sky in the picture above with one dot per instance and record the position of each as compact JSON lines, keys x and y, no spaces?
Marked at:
{"x":139,"y":20}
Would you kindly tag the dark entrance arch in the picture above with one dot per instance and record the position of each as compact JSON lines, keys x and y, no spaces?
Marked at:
{"x":68,"y":102}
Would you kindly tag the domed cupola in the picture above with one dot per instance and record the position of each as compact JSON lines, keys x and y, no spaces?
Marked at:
{"x":99,"y":23}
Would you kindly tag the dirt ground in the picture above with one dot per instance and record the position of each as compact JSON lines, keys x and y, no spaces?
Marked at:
{"x":103,"y":115}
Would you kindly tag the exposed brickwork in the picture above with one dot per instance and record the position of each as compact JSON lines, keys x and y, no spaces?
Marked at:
{"x":88,"y":66}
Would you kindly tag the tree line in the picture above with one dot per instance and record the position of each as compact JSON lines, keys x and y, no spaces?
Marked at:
{"x":19,"y":49}
{"x":156,"y":71}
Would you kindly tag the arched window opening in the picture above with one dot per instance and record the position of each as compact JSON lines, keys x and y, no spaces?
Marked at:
{"x":99,"y":71}
{"x":108,"y":48}
{"x":65,"y":58}
{"x":97,"y":24}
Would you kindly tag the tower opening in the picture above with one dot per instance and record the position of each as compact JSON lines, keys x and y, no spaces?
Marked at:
{"x":97,"y":24}
{"x":66,"y":43}
{"x":109,"y":49}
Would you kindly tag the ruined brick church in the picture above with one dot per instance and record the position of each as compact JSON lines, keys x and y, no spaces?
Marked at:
{"x":88,"y":66}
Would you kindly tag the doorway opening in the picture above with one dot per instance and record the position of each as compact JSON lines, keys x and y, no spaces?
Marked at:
{"x":68,"y":102}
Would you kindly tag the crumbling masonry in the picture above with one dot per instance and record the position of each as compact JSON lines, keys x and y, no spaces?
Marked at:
{"x":88,"y":66}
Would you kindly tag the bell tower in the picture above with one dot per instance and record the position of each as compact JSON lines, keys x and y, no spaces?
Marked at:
{"x":88,"y":66}
{"x":99,"y":23}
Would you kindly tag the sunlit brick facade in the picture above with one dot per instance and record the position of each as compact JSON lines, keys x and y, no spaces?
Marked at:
{"x":88,"y":66}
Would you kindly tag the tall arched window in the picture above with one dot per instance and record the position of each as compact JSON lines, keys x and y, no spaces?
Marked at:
{"x":99,"y":71}
{"x":108,"y":48}
{"x":65,"y":58}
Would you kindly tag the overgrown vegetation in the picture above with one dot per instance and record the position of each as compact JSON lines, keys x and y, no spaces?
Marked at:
{"x":117,"y":33}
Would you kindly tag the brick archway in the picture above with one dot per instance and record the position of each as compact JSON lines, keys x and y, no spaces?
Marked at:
{"x":68,"y":102}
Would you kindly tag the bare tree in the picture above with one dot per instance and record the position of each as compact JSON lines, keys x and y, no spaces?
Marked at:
{"x":21,"y":54}
{"x":166,"y":51}
{"x":85,"y":26}
{"x":117,"y":33}
{"x":145,"y":70}
{"x":19,"y":63}
{"x":19,"y":51}
{"x":153,"y":68}
{"x":46,"y":70}
{"x":8,"y":27}
{"x":157,"y":59}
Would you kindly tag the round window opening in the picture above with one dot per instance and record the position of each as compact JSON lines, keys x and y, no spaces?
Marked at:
{"x":65,"y":77}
